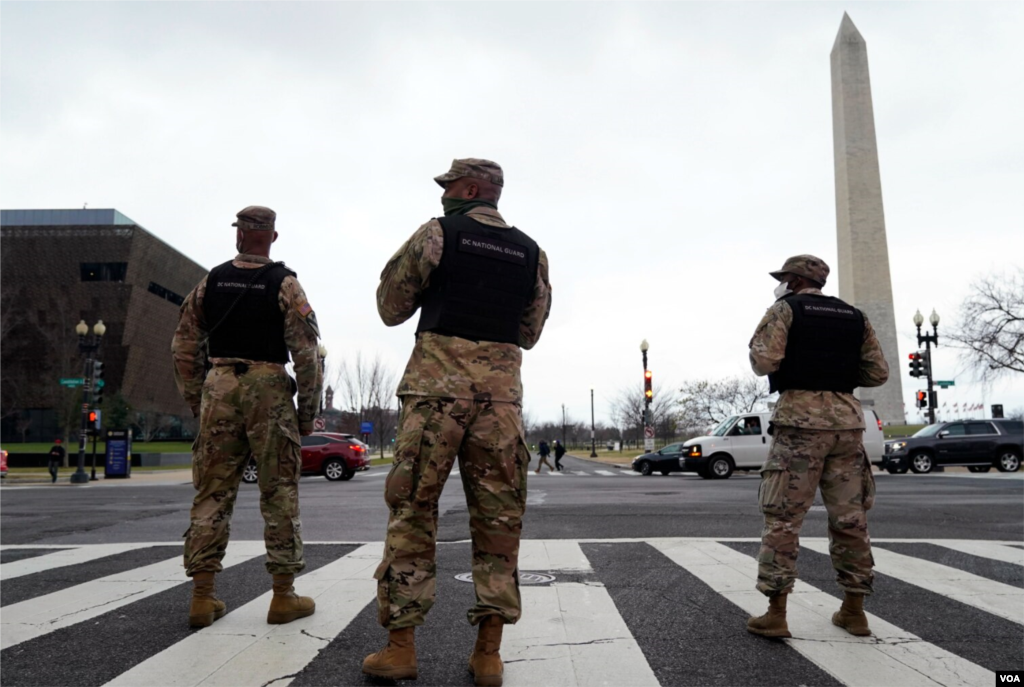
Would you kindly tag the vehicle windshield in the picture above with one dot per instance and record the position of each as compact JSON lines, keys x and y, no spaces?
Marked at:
{"x":928,"y":431}
{"x":722,"y":428}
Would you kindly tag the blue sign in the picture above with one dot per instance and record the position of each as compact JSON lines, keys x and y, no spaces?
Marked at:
{"x":366,"y":428}
{"x":119,"y":453}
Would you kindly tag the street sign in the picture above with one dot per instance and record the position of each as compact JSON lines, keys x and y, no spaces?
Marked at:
{"x":78,"y":381}
{"x":648,"y":432}
{"x":945,"y":385}
{"x":319,"y":424}
{"x":366,"y":428}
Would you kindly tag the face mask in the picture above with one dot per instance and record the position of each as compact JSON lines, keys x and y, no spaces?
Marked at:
{"x":782,"y":290}
{"x":460,"y":206}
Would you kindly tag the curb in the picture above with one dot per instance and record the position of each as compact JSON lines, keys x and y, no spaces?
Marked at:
{"x":620,"y":466}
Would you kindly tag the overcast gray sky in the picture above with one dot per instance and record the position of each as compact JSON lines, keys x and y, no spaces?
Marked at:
{"x":666,"y":156}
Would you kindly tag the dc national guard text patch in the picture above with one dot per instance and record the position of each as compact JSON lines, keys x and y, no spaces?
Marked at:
{"x":492,"y":248}
{"x":844,"y":312}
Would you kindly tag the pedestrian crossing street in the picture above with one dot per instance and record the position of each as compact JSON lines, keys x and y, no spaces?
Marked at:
{"x":618,"y":612}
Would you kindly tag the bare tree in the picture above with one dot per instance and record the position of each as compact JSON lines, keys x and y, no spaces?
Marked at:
{"x":151,"y":423}
{"x":707,"y":402}
{"x":10,"y":318}
{"x":990,"y":328}
{"x":628,"y":405}
{"x":368,"y":388}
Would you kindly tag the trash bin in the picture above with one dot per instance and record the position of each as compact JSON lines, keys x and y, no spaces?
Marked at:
{"x":118,"y":460}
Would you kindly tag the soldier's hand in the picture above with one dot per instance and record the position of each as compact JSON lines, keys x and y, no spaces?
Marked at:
{"x":306,"y":428}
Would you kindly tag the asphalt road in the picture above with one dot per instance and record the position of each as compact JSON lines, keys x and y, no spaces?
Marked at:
{"x":653,"y":616}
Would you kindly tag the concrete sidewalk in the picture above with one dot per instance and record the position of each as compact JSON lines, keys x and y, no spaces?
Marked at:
{"x":138,"y":478}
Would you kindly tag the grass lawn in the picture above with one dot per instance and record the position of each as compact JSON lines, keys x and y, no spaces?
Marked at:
{"x":101,"y":447}
{"x":896,"y":431}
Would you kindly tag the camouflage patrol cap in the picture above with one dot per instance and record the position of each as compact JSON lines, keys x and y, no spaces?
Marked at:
{"x":256,"y":217}
{"x":475,"y":168}
{"x":808,"y":266}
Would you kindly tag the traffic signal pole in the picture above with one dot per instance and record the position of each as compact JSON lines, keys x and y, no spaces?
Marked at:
{"x":928,"y":340}
{"x":80,"y":476}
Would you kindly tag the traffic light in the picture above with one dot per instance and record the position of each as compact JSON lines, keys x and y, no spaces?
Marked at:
{"x":648,"y":391}
{"x":94,"y":417}
{"x":922,"y":399}
{"x":915,"y":364}
{"x":97,"y":386}
{"x":926,"y":364}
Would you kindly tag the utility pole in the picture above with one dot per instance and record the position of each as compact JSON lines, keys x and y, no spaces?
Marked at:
{"x":563,"y":424}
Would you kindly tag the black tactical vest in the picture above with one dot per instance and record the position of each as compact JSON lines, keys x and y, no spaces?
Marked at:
{"x":483,"y":284}
{"x":252,"y":328}
{"x":823,"y":349}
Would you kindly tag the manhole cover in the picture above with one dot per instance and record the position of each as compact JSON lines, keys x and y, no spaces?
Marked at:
{"x":524,"y":578}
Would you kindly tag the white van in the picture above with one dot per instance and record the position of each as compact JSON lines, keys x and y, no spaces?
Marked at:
{"x":741,"y":442}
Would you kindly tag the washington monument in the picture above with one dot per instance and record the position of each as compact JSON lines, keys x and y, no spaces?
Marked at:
{"x":860,"y":223}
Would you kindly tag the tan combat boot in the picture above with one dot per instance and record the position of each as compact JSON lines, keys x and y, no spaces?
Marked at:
{"x":396,"y":661}
{"x":286,"y":605}
{"x":205,"y":606}
{"x":850,"y":615}
{"x":772,"y":623}
{"x":485,"y":661}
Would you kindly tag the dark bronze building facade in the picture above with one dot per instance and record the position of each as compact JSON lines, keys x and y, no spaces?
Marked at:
{"x":63,"y":266}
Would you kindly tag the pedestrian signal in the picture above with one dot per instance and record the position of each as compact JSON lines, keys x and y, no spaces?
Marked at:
{"x":648,"y":391}
{"x":922,"y":399}
{"x":915,"y":364}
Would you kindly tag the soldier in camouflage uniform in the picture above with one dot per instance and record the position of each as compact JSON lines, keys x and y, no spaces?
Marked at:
{"x":484,"y":293}
{"x":815,"y":349}
{"x":240,"y":323}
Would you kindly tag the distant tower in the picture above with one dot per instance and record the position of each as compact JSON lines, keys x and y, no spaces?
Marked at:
{"x":329,"y":403}
{"x":860,"y":223}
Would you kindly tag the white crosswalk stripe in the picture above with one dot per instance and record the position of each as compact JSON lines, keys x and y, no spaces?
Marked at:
{"x":242,"y":649}
{"x":23,"y":621}
{"x":990,"y":596}
{"x":63,"y":558}
{"x":571,"y":632}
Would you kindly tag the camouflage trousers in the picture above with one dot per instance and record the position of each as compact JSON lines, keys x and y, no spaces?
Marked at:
{"x":493,"y":460}
{"x":799,"y":461}
{"x":243,"y":414}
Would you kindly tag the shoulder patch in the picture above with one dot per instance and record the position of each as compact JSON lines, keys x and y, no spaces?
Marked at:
{"x":304,"y":308}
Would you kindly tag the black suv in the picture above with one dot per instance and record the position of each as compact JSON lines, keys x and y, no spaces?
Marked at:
{"x":978,"y":444}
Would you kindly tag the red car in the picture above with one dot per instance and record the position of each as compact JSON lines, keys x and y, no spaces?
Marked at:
{"x":335,"y":456}
{"x":3,"y":463}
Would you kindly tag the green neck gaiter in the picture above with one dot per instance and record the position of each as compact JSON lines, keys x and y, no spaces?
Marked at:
{"x":460,"y":206}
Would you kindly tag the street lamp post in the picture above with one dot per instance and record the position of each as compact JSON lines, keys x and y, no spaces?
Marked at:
{"x":928,"y":340}
{"x":593,"y":441}
{"x":644,"y":347}
{"x":86,"y":348}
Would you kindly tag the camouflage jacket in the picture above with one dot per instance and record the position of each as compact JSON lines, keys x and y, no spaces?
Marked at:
{"x":300,"y":335}
{"x":449,"y":366}
{"x":813,"y":409}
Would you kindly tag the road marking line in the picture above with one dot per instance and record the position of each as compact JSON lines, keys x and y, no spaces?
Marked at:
{"x":60,"y":559}
{"x":986,"y":549}
{"x":891,"y":656}
{"x":580,"y":473}
{"x":570,"y":633}
{"x":242,"y":649}
{"x":988,"y":595}
{"x":552,"y":554}
{"x":42,"y":615}
{"x":605,"y":473}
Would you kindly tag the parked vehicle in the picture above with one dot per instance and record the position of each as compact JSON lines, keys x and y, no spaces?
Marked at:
{"x":333,"y":455}
{"x":977,"y":444}
{"x":741,"y":442}
{"x":664,"y":461}
{"x":3,"y":464}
